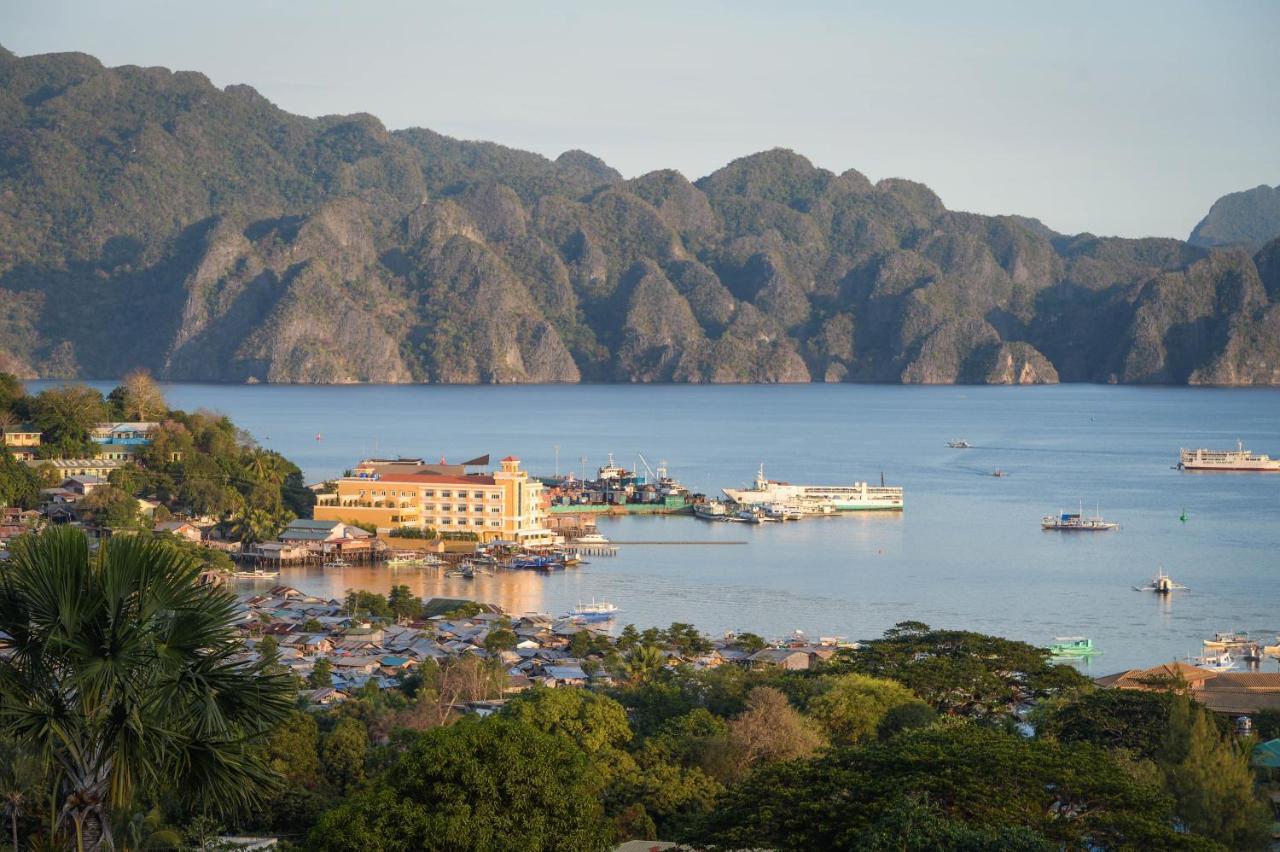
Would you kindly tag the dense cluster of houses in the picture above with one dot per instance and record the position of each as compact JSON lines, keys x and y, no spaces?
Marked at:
{"x":360,"y":650}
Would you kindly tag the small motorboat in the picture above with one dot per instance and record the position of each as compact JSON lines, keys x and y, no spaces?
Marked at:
{"x":998,"y":473}
{"x":591,"y":538}
{"x":336,"y":563}
{"x":1161,"y":584}
{"x":959,"y":444}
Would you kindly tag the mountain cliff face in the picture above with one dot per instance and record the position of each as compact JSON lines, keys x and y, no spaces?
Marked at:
{"x":1250,"y":219}
{"x":149,"y":219}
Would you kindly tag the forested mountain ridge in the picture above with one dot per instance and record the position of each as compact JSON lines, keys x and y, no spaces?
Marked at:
{"x":1250,"y":218}
{"x":150,"y":219}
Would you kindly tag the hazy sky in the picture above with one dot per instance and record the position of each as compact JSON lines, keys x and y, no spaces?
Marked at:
{"x":1122,"y":118}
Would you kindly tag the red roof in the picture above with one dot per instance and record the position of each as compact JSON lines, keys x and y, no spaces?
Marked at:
{"x":433,"y":479}
{"x":511,"y":458}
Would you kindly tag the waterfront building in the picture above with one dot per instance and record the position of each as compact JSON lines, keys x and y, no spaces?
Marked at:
{"x":504,"y":505}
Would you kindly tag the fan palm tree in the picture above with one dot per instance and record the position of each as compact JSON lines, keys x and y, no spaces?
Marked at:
{"x":21,"y":774}
{"x":123,"y":674}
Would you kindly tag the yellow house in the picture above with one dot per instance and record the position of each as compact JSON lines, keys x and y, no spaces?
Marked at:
{"x":505,"y":505}
{"x":21,"y":440}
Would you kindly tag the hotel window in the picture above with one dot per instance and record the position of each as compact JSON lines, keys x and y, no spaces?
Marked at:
{"x":429,"y":520}
{"x":446,"y":493}
{"x":477,"y":494}
{"x":494,"y":524}
{"x":495,"y":510}
{"x":479,"y":522}
{"x":446,"y":521}
{"x":429,"y":493}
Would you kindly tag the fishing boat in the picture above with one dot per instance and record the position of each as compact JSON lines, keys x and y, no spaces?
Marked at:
{"x":1237,"y":459}
{"x":602,"y":611}
{"x":998,"y":473}
{"x":1219,"y":662}
{"x":1161,"y":584}
{"x":336,"y":563}
{"x":591,"y":538}
{"x":467,"y":571}
{"x":1077,"y":522}
{"x":406,"y":559}
{"x":1228,"y":640}
{"x":959,"y":444}
{"x":712,"y":510}
{"x":255,"y":575}
{"x":1072,"y":648}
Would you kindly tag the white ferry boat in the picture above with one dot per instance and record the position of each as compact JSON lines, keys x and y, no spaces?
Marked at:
{"x":591,"y":538}
{"x":843,"y":498}
{"x":1237,"y":459}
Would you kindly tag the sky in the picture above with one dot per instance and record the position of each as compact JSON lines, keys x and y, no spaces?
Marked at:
{"x":1125,"y":118}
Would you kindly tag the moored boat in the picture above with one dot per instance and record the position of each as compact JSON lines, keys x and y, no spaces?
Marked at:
{"x":601,"y":611}
{"x":1220,"y":662}
{"x":591,"y":538}
{"x":1161,"y":584}
{"x":1076,"y":522}
{"x":1072,"y":648}
{"x":959,"y":444}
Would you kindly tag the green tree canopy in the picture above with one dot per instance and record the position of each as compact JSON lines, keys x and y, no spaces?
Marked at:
{"x":852,"y":706}
{"x":496,"y":784}
{"x":66,"y":416}
{"x":989,"y":780}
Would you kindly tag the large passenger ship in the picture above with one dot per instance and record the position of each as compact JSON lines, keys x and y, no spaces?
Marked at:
{"x":843,"y":498}
{"x":1237,"y":459}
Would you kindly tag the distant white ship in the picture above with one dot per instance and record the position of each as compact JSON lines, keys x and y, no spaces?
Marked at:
{"x":1237,"y":459}
{"x":591,"y":538}
{"x":843,"y":498}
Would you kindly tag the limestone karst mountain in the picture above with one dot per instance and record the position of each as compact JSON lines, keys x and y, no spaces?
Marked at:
{"x":150,"y":219}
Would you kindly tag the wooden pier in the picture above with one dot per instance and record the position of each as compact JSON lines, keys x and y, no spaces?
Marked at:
{"x":591,"y":550}
{"x":681,"y":543}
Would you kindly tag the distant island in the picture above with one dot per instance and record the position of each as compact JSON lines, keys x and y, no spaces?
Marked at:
{"x":151,"y":220}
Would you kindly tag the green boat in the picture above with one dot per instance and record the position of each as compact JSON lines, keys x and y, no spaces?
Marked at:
{"x":1072,"y":647}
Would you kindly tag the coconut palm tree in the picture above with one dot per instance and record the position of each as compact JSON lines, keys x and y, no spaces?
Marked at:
{"x":122,"y":674}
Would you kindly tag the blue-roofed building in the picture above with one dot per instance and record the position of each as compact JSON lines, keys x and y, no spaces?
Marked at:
{"x":137,"y":433}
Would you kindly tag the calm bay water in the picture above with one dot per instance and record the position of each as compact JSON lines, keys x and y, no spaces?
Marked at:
{"x":968,"y":552}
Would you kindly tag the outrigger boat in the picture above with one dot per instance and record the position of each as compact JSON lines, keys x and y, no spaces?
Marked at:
{"x":1072,"y":648}
{"x":602,"y":611}
{"x":1216,"y":662}
{"x":1228,"y":640}
{"x":1076,"y":522}
{"x":1161,"y":584}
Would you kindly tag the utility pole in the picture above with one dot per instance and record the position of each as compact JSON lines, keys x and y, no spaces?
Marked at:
{"x":584,"y":468}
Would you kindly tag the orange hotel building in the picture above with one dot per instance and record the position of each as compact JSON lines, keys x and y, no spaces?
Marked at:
{"x":504,"y":505}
